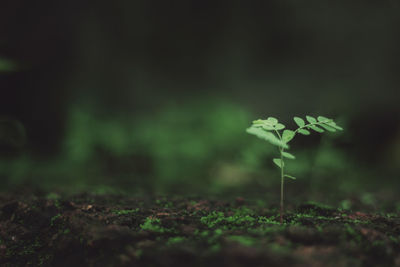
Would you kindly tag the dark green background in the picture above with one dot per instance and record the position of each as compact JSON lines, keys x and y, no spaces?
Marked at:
{"x":155,"y":96}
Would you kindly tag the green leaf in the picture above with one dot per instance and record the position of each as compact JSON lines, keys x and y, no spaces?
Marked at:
{"x":315,"y":128}
{"x":279,"y":126}
{"x":304,"y":132}
{"x":323,"y":119}
{"x":267,"y":136}
{"x":268,"y":127}
{"x":287,"y":135}
{"x":288,"y":155}
{"x":272,"y":120}
{"x":311,"y":119}
{"x":278,"y":163}
{"x":258,"y":122}
{"x":289,"y":176}
{"x":337,"y":127}
{"x":327,"y":127}
{"x":329,"y":122}
{"x":265,"y":124}
{"x":299,"y":121}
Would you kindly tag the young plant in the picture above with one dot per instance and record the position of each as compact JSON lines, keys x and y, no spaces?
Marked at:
{"x":271,"y":130}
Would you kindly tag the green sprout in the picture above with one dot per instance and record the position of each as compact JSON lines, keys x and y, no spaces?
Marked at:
{"x":270,"y":130}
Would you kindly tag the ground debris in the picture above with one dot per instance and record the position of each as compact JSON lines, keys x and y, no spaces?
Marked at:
{"x":90,"y":230}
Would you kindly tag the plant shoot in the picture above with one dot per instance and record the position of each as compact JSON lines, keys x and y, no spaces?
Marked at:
{"x":274,"y":132}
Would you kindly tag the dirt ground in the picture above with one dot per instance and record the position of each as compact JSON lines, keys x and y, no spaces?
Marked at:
{"x":89,"y":230}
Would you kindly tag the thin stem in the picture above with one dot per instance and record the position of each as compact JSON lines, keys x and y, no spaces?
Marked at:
{"x":306,"y":125}
{"x":282,"y":182}
{"x":282,"y":208}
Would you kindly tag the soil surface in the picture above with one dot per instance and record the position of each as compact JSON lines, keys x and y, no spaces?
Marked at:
{"x":88,"y":230}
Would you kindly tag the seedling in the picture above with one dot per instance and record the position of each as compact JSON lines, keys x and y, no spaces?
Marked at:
{"x":271,"y":130}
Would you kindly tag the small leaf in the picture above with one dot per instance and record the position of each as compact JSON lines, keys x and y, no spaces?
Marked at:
{"x":323,"y":119}
{"x":330,"y":123}
{"x":304,"y":132}
{"x":258,"y":123}
{"x":279,"y":126}
{"x":311,"y":119}
{"x":288,"y":155}
{"x":337,"y":127}
{"x":278,"y":163}
{"x":334,"y":125}
{"x":317,"y":129}
{"x":290,"y":177}
{"x":299,"y":121}
{"x":327,"y":127}
{"x":272,"y":120}
{"x":267,"y":136}
{"x":287,"y":135}
{"x":268,"y":127}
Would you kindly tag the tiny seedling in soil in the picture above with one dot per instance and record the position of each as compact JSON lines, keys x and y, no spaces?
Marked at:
{"x":271,"y":130}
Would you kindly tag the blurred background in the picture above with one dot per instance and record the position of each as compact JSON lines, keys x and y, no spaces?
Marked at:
{"x":155,"y":96}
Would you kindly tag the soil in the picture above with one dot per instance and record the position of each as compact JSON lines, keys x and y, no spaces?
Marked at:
{"x":90,"y":230}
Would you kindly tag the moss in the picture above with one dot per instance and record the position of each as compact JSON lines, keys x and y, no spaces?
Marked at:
{"x":265,"y":230}
{"x":153,"y":225}
{"x":125,"y":212}
{"x":176,"y":240}
{"x":316,"y":209}
{"x":54,"y":219}
{"x":164,"y":203}
{"x":215,"y":248}
{"x":265,"y":220}
{"x":212,"y":219}
{"x":278,"y":249}
{"x":243,"y":240}
{"x":242,"y":217}
{"x":45,"y":259}
{"x":30,"y":249}
{"x":353,"y":234}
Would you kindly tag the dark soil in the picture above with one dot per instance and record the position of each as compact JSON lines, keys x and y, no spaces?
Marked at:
{"x":88,"y":230}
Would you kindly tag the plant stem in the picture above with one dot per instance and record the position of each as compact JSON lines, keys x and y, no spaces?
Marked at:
{"x":309,"y":124}
{"x":282,"y":181}
{"x":281,"y":149}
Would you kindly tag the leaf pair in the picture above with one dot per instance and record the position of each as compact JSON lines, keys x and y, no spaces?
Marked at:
{"x":288,"y":135}
{"x":267,"y":136}
{"x":319,"y":125}
{"x":270,"y":124}
{"x":265,"y":130}
{"x":281,"y":164}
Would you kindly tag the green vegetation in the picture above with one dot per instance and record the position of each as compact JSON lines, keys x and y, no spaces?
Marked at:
{"x":247,"y":241}
{"x":54,"y":219}
{"x":176,"y":240}
{"x":269,"y":130}
{"x":153,"y":225}
{"x":239,"y":218}
{"x":125,"y":212}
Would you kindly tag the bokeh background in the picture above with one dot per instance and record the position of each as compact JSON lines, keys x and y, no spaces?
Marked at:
{"x":155,"y":96}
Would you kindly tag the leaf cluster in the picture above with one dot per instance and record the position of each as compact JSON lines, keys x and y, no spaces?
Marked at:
{"x":270,"y":128}
{"x":274,"y":132}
